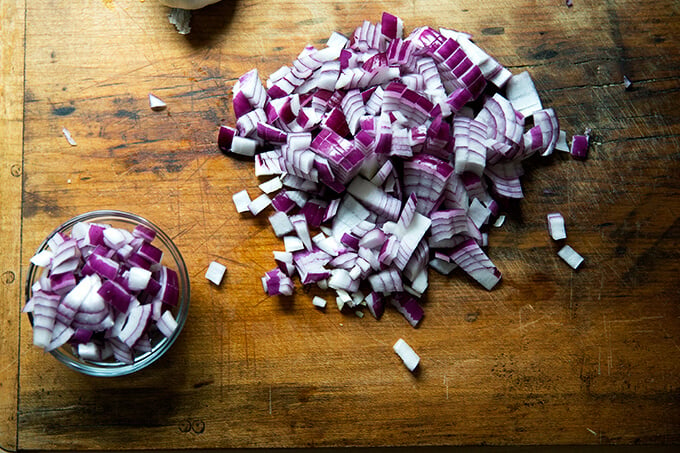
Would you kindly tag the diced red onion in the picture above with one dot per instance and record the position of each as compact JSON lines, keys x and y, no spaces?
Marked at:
{"x":90,"y":305}
{"x":268,"y":163}
{"x":444,"y":267}
{"x":62,"y":283}
{"x":135,"y":324}
{"x":386,"y":282}
{"x":243,"y":145}
{"x":374,"y":198}
{"x":271,"y":185}
{"x":215,"y":272}
{"x":281,"y":224}
{"x":44,"y":311}
{"x":319,"y":302}
{"x":417,"y":264}
{"x":411,"y":238}
{"x":627,"y":84}
{"x":292,"y":243}
{"x":521,"y":92}
{"x":408,"y":306}
{"x":579,"y":146}
{"x":275,"y":282}
{"x":426,"y":176}
{"x":167,"y":324}
{"x":310,"y":265}
{"x":373,"y":239}
{"x":89,"y":351}
{"x":225,"y":138}
{"x":375,"y":304}
{"x":116,"y":295}
{"x":505,"y":179}
{"x":104,"y":267}
{"x":249,"y":93}
{"x":561,"y":144}
{"x":472,"y":259}
{"x":407,"y":355}
{"x":395,"y":149}
{"x":259,"y":204}
{"x":43,"y":258}
{"x":556,"y":226}
{"x":570,"y":256}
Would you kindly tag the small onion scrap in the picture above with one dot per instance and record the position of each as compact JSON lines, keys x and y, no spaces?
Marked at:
{"x":570,"y":256}
{"x":556,"y":226}
{"x":406,"y":354}
{"x":215,"y":272}
{"x":395,"y":152}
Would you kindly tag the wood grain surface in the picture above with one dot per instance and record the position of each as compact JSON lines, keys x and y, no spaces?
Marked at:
{"x":11,"y":136}
{"x":550,"y":356}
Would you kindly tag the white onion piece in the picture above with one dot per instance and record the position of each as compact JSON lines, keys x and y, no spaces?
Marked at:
{"x":167,"y":324}
{"x":374,"y":198}
{"x":114,"y":238}
{"x":521,"y":92}
{"x":341,"y":279}
{"x":44,"y":317}
{"x":244,"y":146}
{"x":259,"y":204}
{"x":556,"y":226}
{"x":43,"y":258}
{"x":442,"y":266}
{"x":271,"y":186}
{"x":419,"y":284}
{"x":319,"y":302}
{"x":413,"y":234}
{"x":302,"y":230}
{"x":215,"y":272}
{"x":561,"y":144}
{"x":342,"y":298}
{"x":478,"y":213}
{"x":281,"y":224}
{"x":406,"y":354}
{"x":386,"y":282}
{"x":89,"y":351}
{"x":60,"y":337}
{"x":135,"y":325}
{"x":570,"y":256}
{"x":292,"y":244}
{"x":69,"y":138}
{"x":155,"y":103}
{"x":138,"y":278}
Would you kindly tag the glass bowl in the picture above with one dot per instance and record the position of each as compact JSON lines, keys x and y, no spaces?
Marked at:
{"x":159,"y":343}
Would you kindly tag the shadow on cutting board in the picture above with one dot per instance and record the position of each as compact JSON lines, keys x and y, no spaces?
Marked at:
{"x":209,"y":24}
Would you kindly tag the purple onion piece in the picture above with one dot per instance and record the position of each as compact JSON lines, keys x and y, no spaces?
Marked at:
{"x":115,"y":295}
{"x":150,"y":252}
{"x":409,"y":307}
{"x":579,"y":146}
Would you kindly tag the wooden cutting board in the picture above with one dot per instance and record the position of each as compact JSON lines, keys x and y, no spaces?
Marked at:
{"x":550,"y":356}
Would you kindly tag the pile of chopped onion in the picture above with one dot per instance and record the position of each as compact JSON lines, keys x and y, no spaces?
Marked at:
{"x":104,"y":292}
{"x":388,"y":154}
